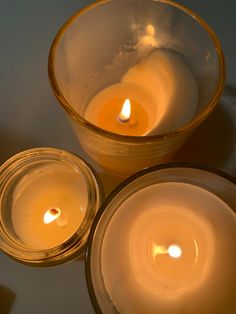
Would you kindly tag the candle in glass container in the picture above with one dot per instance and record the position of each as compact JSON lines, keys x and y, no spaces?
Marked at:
{"x":49,"y":205}
{"x":162,"y":92}
{"x":48,"y":199}
{"x":169,"y":248}
{"x":161,"y":47}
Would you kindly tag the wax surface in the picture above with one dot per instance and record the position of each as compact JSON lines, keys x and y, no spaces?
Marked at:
{"x":172,"y":84}
{"x":161,"y":84}
{"x":141,"y":277}
{"x":52,"y":186}
{"x":105,"y":107}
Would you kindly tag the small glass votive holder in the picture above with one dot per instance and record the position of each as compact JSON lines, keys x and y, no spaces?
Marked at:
{"x":48,"y":200}
{"x":165,"y":239}
{"x":97,"y":45}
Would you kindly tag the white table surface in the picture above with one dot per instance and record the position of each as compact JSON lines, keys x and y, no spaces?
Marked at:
{"x":31,"y":117}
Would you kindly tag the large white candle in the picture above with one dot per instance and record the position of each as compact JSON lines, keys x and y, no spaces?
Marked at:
{"x":49,"y":189}
{"x":170,"y":248}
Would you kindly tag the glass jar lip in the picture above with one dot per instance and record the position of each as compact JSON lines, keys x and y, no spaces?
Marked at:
{"x":117,"y":190}
{"x":73,"y":246}
{"x":137,"y":139}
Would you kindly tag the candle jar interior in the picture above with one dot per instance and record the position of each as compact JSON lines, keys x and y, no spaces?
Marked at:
{"x":220,"y":184}
{"x":99,"y":44}
{"x":34,"y":182}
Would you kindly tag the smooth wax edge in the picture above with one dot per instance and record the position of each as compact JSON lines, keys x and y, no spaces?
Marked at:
{"x":174,"y":87}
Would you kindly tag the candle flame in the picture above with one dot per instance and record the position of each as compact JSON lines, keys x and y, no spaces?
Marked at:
{"x":173,"y":250}
{"x":125,"y":113}
{"x":51,"y":215}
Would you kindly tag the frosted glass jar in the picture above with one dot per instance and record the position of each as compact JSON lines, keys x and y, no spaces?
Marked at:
{"x":97,"y":45}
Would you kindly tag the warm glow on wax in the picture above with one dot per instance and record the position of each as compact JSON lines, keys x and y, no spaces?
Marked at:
{"x":125,"y":113}
{"x":51,"y":215}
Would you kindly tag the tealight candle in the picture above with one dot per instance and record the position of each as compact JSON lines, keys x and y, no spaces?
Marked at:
{"x":48,"y":201}
{"x":162,"y":92}
{"x":166,"y":247}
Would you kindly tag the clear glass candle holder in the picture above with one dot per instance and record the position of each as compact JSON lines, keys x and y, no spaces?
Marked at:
{"x":121,"y":279}
{"x":97,"y":45}
{"x":40,"y":183}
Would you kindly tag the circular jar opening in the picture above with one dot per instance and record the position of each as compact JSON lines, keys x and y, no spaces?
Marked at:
{"x":48,"y":199}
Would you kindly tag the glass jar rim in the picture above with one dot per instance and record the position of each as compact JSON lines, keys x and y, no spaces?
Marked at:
{"x":137,"y":139}
{"x":75,"y":244}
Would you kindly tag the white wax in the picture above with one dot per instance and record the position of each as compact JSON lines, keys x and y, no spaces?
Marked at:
{"x":164,"y":74}
{"x":141,"y":278}
{"x":52,"y":186}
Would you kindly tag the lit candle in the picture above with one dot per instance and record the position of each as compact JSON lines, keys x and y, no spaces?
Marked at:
{"x":161,"y":90}
{"x":107,"y":109}
{"x":170,"y":248}
{"x":159,"y":55}
{"x":49,"y":198}
{"x":49,"y":205}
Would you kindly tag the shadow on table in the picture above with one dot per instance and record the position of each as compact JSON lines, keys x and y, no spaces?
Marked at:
{"x":7,"y":298}
{"x":214,"y":142}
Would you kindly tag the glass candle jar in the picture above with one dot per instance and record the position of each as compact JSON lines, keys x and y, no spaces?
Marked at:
{"x":163,"y":241}
{"x":48,"y":199}
{"x":96,"y":49}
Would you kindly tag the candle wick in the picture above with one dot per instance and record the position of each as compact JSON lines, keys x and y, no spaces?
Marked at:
{"x":51,"y":214}
{"x":123,"y":120}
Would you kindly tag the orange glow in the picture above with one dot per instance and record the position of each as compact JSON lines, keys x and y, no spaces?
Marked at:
{"x":51,"y":215}
{"x":125,"y":113}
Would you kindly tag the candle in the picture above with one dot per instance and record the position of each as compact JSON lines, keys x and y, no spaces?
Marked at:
{"x":170,"y":247}
{"x":49,"y":205}
{"x":165,"y":243}
{"x":48,"y":200}
{"x":162,"y":92}
{"x":158,"y":55}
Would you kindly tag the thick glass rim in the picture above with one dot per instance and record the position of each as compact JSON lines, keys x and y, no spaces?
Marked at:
{"x":73,"y":246}
{"x":116,"y":191}
{"x":126,"y":138}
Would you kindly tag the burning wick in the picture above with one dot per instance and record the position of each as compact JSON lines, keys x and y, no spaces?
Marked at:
{"x":125,"y":113}
{"x":51,"y":215}
{"x":173,"y":250}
